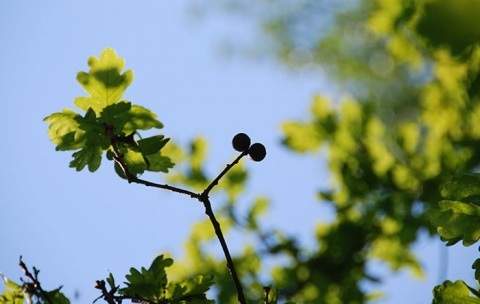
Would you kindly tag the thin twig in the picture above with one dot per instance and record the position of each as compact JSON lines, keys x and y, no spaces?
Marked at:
{"x":266,"y":291}
{"x":34,"y":279}
{"x":131,"y":178}
{"x":107,"y":296}
{"x":227,"y":168}
{"x":223,"y":243}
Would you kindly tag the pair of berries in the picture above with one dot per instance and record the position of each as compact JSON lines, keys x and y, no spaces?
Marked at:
{"x":241,"y":143}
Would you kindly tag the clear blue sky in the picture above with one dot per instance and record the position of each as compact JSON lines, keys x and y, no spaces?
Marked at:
{"x":76,"y":227}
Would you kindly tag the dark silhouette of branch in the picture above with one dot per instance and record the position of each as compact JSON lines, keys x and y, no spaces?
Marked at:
{"x":34,"y":279}
{"x":227,"y":168}
{"x":131,"y":178}
{"x":109,"y":297}
{"x":203,"y":197}
{"x":223,"y":243}
{"x":266,"y":291}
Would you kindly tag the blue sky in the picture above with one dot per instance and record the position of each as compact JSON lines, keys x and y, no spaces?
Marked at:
{"x":76,"y":227}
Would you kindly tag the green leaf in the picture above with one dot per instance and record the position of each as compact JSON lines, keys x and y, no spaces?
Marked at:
{"x":135,"y":161}
{"x":152,"y":144}
{"x":90,"y":155}
{"x":456,"y":221}
{"x":111,"y":281}
{"x":148,"y":284}
{"x":190,"y":291}
{"x":104,"y":82}
{"x":453,"y":293}
{"x":70,"y":131}
{"x":57,"y":297}
{"x":140,"y":118}
{"x":63,"y":128}
{"x":464,"y":187}
{"x":476,"y":266}
{"x":115,"y":115}
{"x":13,"y":294}
{"x":159,"y":163}
{"x":258,"y":209}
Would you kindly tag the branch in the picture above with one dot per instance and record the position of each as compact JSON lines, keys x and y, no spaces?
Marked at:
{"x":202,"y":198}
{"x":266,"y":291}
{"x":34,"y":279}
{"x":109,"y":297}
{"x":227,"y":168}
{"x":131,"y":178}
{"x":218,"y":231}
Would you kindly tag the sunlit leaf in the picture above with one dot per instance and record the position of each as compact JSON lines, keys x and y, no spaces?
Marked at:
{"x":190,"y":290}
{"x":453,"y":293}
{"x":63,"y":128}
{"x":13,"y":294}
{"x":456,"y":221}
{"x":152,"y":144}
{"x":140,"y":118}
{"x":463,"y":187}
{"x":104,"y":82}
{"x":159,"y":163}
{"x":135,"y":161}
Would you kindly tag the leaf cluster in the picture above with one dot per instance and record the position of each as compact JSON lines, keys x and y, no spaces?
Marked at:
{"x":31,"y":292}
{"x":152,"y":286}
{"x":110,"y":124}
{"x":457,"y":218}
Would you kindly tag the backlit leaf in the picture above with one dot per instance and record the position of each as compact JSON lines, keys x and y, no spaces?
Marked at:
{"x":104,"y":82}
{"x":456,"y":221}
{"x":62,"y":129}
{"x":453,"y":293}
{"x":90,"y":155}
{"x":190,"y":290}
{"x":150,"y":283}
{"x":13,"y":294}
{"x":152,"y":144}
{"x":462,"y":187}
{"x":159,"y":163}
{"x":140,"y":118}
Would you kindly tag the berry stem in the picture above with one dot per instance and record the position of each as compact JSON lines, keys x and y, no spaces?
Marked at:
{"x":227,"y":168}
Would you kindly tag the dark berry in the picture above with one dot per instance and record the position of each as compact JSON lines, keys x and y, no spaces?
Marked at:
{"x":241,"y":142}
{"x":257,"y":152}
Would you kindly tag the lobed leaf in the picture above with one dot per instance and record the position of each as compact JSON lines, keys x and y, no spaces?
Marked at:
{"x":476,"y":266}
{"x":140,"y":118}
{"x":456,"y":221}
{"x":190,"y":290}
{"x":90,"y":156}
{"x":453,"y":293}
{"x":13,"y":294}
{"x":107,"y":120}
{"x":159,"y":163}
{"x":57,"y":297}
{"x":104,"y":82}
{"x":464,"y":187}
{"x":148,"y":284}
{"x":63,"y":129}
{"x":152,"y":145}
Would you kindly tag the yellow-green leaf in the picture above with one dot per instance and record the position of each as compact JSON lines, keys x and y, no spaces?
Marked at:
{"x":104,"y":82}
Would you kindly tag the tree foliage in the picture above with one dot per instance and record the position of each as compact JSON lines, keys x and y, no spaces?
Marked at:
{"x":403,"y":151}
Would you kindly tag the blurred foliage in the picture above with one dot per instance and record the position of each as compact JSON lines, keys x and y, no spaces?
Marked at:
{"x":30,"y":292}
{"x":411,"y":69}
